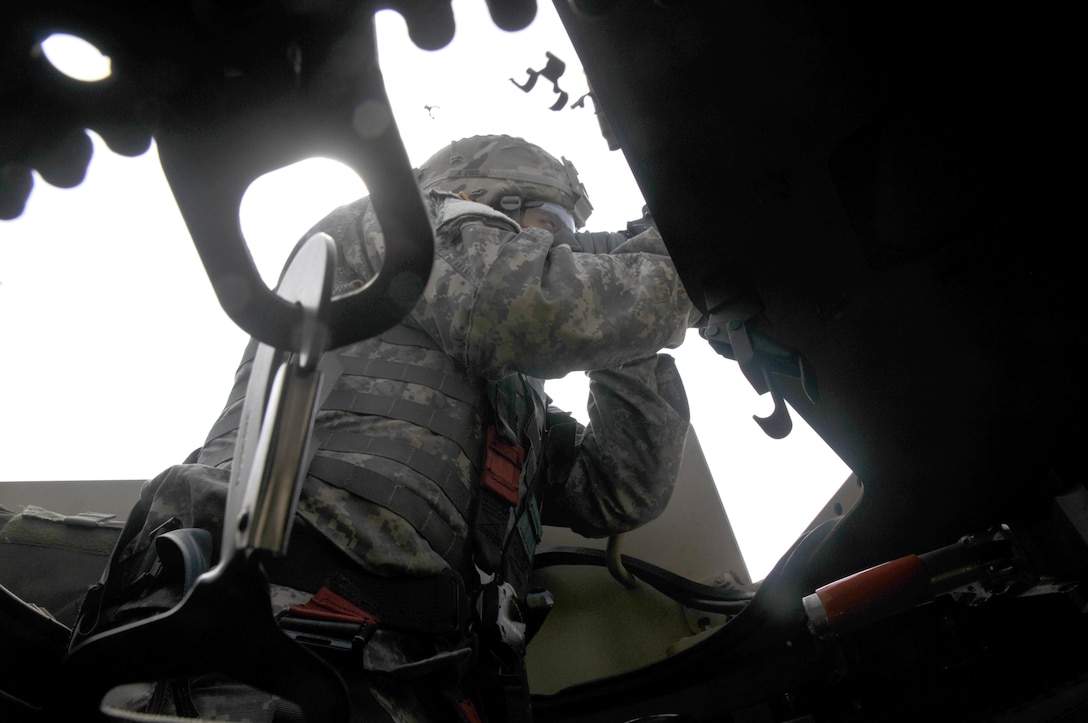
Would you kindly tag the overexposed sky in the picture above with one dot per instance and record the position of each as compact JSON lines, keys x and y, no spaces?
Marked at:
{"x":117,"y":357}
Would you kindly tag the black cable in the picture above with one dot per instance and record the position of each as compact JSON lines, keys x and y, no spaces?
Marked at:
{"x":708,"y":598}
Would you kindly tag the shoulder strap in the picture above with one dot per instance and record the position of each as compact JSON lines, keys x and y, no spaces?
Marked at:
{"x":508,"y":521}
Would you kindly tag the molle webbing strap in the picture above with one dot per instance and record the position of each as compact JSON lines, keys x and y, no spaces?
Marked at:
{"x":241,"y":378}
{"x":451,"y":385}
{"x":489,"y":530}
{"x":504,"y":532}
{"x":435,"y":604}
{"x":238,"y":393}
{"x":443,"y":474}
{"x":502,"y":468}
{"x":380,"y":490}
{"x":529,"y":530}
{"x":500,"y":480}
{"x":421,"y":415}
{"x":521,"y":541}
{"x":231,"y":416}
{"x":401,"y":335}
{"x":405,"y":335}
{"x":227,"y":423}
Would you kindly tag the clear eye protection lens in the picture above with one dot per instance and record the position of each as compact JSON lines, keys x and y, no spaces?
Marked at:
{"x":562,"y":216}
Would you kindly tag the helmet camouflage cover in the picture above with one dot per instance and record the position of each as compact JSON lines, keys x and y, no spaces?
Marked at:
{"x":488,"y":168}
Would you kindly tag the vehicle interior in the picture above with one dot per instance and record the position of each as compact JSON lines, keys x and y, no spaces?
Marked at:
{"x":866,"y":200}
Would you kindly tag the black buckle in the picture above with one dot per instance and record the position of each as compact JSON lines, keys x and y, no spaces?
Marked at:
{"x":503,"y":625}
{"x":327,"y":635}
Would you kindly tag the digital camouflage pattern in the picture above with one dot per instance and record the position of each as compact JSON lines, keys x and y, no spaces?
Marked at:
{"x":487,"y":168}
{"x":504,"y":308}
{"x":499,"y":303}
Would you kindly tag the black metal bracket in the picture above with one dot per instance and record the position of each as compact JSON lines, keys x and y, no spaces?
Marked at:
{"x":230,"y":92}
{"x":759,"y":359}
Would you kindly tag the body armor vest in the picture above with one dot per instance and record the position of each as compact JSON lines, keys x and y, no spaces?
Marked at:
{"x":404,"y":429}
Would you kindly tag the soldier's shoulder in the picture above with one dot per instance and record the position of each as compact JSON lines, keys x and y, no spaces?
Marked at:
{"x":337,"y":222}
{"x":348,"y":211}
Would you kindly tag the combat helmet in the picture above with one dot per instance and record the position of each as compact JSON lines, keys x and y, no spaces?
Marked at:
{"x":503,"y":171}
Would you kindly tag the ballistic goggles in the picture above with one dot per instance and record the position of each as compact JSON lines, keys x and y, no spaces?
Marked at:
{"x":562,"y":218}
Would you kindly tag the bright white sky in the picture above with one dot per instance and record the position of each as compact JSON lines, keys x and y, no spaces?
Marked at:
{"x":117,"y":357}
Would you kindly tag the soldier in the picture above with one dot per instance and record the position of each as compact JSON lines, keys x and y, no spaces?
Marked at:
{"x":437,"y":454}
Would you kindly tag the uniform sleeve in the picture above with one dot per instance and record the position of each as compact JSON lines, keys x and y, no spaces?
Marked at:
{"x":627,"y":458}
{"x":506,"y":302}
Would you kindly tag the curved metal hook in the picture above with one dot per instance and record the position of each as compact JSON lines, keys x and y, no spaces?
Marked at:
{"x":778,"y":424}
{"x":614,"y":563}
{"x":758,"y":357}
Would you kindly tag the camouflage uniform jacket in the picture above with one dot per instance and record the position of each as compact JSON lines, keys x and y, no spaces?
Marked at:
{"x":401,"y":436}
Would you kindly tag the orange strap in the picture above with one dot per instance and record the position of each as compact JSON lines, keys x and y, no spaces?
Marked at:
{"x":502,"y":467}
{"x":466,"y":711}
{"x":327,"y":605}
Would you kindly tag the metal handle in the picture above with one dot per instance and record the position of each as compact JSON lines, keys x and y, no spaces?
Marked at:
{"x":332,"y":103}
